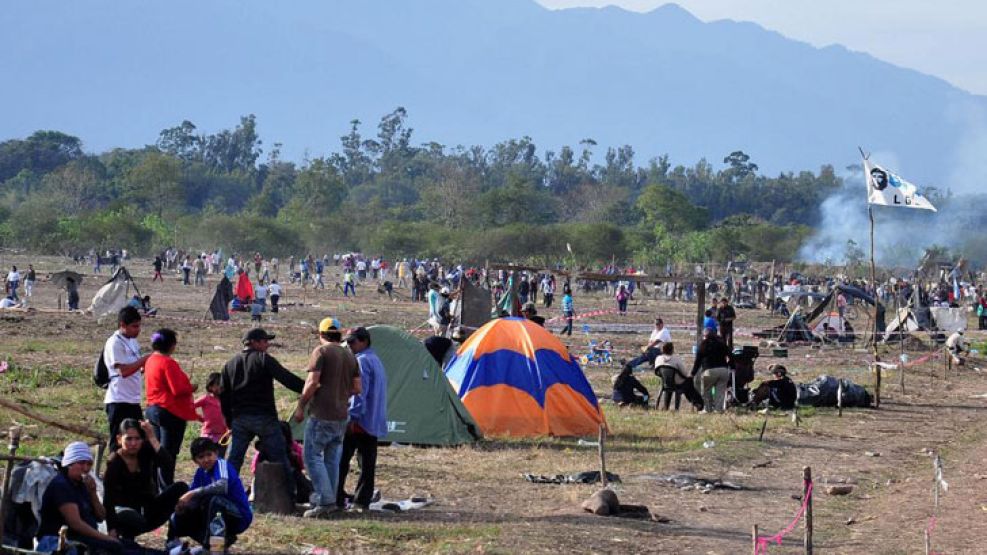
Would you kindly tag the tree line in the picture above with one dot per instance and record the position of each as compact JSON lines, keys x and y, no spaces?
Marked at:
{"x":383,"y":193}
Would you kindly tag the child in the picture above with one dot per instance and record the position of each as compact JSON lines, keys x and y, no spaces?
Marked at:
{"x":567,"y":312}
{"x":216,"y":488}
{"x":213,"y":423}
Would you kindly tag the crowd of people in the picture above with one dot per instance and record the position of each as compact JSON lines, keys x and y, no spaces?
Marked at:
{"x":342,"y":402}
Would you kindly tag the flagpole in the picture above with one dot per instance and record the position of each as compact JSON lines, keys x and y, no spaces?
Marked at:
{"x":873,"y":281}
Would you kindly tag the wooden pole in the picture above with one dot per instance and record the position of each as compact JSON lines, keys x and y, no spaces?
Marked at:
{"x":764,"y":426}
{"x":603,"y":454}
{"x":67,"y":427}
{"x":700,"y":311}
{"x":15,"y":442}
{"x":806,"y":480}
{"x":928,"y":543}
{"x":873,"y":284}
{"x":754,"y":539}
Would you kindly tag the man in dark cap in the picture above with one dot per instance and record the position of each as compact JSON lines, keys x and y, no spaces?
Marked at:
{"x":247,"y":401}
{"x":531,"y":313}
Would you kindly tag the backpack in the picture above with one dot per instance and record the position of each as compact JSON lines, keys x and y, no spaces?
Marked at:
{"x":101,"y":374}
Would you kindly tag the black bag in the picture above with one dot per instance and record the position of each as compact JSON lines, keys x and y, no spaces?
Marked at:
{"x":101,"y":374}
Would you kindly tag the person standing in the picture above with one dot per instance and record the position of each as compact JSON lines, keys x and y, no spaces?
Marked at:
{"x":29,"y":280}
{"x":725,"y":316}
{"x":186,"y":270}
{"x":274,"y":292}
{"x":247,"y":400}
{"x":123,"y":359}
{"x":712,"y":359}
{"x":348,"y":283}
{"x":200,"y":270}
{"x":13,"y":282}
{"x":170,"y":404}
{"x":333,"y":376}
{"x":548,"y":290}
{"x":621,"y":297}
{"x":157,"y":270}
{"x":368,"y":421}
{"x":567,"y":312}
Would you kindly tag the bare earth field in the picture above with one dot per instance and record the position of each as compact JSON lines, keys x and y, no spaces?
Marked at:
{"x":482,"y":502}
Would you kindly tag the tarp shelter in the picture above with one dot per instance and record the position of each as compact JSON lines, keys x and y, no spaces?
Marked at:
{"x":112,"y":296}
{"x":244,"y":289}
{"x":904,"y":322}
{"x":517,"y":379}
{"x":422,"y":408}
{"x":851,"y":293}
{"x":219,"y":307}
{"x":474,"y":305}
{"x":949,"y":320}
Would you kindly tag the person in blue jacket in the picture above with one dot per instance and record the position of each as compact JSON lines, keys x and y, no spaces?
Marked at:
{"x":216,"y":488}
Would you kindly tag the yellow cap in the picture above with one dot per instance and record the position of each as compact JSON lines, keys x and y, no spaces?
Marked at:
{"x":328,"y":324}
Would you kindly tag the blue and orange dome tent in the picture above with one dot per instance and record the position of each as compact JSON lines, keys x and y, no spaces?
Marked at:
{"x":517,"y":379}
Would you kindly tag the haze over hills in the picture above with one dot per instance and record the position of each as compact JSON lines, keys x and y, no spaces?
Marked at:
{"x":475,"y":72}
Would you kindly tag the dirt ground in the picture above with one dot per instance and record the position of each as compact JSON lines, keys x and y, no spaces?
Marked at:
{"x":483,"y":504}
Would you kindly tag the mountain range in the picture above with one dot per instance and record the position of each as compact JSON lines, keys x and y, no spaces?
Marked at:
{"x":474,"y":72}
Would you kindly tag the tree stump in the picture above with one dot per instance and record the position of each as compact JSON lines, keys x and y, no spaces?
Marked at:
{"x":271,"y":493}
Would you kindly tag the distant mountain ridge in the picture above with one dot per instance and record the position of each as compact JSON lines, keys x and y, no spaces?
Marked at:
{"x":471,"y":72}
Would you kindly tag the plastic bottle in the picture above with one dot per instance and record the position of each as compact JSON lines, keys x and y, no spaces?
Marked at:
{"x":217,"y":535}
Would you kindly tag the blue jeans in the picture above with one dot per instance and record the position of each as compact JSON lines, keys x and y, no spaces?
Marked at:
{"x":267,"y":428}
{"x":323,"y":450}
{"x":170,"y":430}
{"x":347,"y":287}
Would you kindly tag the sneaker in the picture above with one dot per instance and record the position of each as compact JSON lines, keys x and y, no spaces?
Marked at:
{"x":321,"y":511}
{"x":358,"y":509}
{"x":376,"y":496}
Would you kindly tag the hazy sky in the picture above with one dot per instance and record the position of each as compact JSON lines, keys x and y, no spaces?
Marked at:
{"x":947,"y":39}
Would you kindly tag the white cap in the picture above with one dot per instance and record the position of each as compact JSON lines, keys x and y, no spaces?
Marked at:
{"x":77,"y":451}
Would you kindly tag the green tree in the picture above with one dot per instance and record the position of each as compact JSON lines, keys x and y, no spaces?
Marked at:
{"x":156,"y":183}
{"x":664,"y":205}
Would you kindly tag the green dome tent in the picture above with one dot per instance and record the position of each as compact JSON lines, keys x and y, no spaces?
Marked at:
{"x":422,"y":408}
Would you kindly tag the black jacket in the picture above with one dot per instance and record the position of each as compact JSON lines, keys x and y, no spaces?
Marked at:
{"x":725,"y":316}
{"x":248,"y":385}
{"x":713,"y":353}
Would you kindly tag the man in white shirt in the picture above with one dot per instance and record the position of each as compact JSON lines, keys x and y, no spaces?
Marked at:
{"x":260,"y":296}
{"x":274,"y":291}
{"x":649,"y":352}
{"x":122,"y":355}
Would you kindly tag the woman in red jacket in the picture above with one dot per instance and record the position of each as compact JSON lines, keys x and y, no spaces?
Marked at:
{"x":169,"y":395}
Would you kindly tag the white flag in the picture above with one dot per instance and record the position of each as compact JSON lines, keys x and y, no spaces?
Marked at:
{"x":887,"y":188}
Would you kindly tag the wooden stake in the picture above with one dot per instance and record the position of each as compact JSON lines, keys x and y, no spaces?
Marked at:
{"x":873,"y":284}
{"x":839,"y":398}
{"x":877,"y":381}
{"x":603,"y":454}
{"x":806,"y":480}
{"x":928,"y":543}
{"x":15,"y":442}
{"x":764,"y":426}
{"x":754,"y":539}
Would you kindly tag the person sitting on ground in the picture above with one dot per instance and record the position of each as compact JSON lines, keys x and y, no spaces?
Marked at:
{"x":216,"y":489}
{"x":136,"y":499}
{"x":626,"y":388}
{"x":675,"y":380}
{"x":71,"y":500}
{"x":9,"y":302}
{"x":780,"y":392}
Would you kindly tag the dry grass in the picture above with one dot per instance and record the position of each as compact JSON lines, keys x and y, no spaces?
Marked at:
{"x":482,"y":504}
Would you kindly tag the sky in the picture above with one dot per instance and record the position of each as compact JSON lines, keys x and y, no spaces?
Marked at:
{"x":946,"y":39}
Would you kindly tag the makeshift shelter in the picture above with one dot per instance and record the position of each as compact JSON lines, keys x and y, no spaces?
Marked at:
{"x":903,"y":323}
{"x":422,"y":407}
{"x":219,"y":307}
{"x":474,"y":304}
{"x":828,"y":305}
{"x":244,"y":290}
{"x":114,"y":295}
{"x":517,"y":379}
{"x":60,"y":279}
{"x":949,"y":320}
